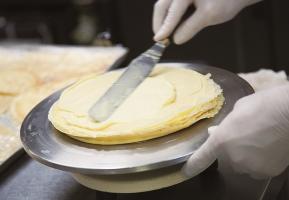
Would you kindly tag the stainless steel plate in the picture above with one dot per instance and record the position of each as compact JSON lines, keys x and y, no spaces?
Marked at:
{"x":50,"y":147}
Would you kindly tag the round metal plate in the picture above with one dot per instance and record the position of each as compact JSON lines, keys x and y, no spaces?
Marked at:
{"x":50,"y":147}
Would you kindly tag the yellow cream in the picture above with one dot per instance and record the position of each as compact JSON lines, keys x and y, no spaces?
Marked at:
{"x":169,"y":100}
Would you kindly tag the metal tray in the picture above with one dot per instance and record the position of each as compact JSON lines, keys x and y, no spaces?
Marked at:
{"x":52,"y":148}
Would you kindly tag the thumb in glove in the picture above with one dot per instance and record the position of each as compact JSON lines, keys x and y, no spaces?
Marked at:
{"x":203,"y":157}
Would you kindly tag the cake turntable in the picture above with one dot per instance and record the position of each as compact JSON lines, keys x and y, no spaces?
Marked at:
{"x":135,"y":167}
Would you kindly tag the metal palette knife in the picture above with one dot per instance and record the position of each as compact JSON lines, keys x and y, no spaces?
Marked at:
{"x":134,"y":75}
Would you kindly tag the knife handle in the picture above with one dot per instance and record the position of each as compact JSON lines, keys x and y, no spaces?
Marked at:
{"x":156,"y":51}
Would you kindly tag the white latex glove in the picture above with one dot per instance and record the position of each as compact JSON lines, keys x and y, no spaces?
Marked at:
{"x":168,"y":13}
{"x":264,"y":79}
{"x":253,"y":138}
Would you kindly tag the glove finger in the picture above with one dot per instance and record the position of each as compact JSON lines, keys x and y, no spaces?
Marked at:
{"x":160,"y":12}
{"x":174,"y":15}
{"x":189,"y":28}
{"x":201,"y":159}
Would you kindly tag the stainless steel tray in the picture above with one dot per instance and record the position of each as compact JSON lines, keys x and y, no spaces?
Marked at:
{"x":45,"y":144}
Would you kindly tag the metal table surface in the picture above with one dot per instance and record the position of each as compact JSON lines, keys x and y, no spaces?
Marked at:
{"x":27,"y":179}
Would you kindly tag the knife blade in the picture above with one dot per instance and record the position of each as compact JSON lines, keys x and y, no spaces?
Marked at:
{"x":131,"y":78}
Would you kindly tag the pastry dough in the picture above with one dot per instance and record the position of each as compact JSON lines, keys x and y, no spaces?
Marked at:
{"x":15,"y":81}
{"x":24,"y":103}
{"x":169,"y":100}
{"x":5,"y":101}
{"x":9,"y":143}
{"x":57,"y":63}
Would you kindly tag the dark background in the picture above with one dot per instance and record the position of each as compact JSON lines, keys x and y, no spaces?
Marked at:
{"x":256,"y":38}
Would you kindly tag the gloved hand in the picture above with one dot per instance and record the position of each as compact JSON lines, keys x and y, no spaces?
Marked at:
{"x":168,"y":13}
{"x":253,"y":138}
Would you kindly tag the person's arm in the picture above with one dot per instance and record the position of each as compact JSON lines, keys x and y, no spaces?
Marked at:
{"x":253,"y":138}
{"x":168,"y":13}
